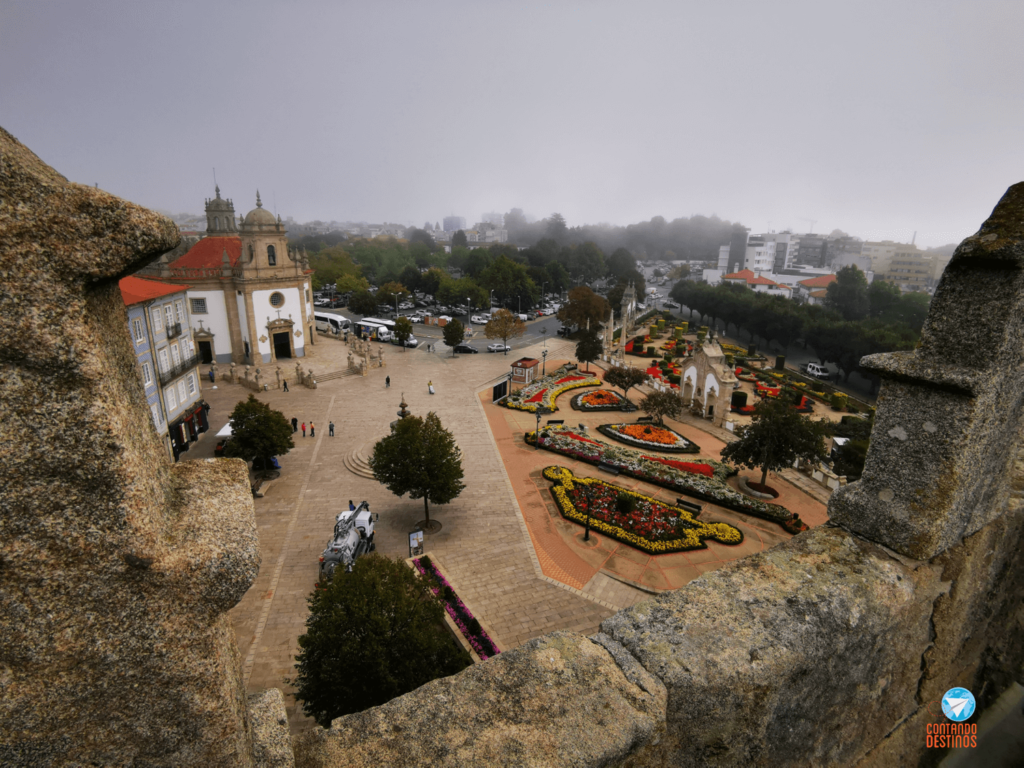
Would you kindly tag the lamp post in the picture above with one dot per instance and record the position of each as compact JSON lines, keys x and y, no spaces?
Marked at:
{"x":490,"y":301}
{"x":544,"y":355}
{"x":586,"y":493}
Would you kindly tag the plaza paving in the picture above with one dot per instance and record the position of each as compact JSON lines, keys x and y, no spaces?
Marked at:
{"x":524,"y":573}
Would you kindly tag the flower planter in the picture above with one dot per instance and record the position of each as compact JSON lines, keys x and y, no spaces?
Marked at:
{"x":650,"y":437}
{"x":651,"y":526}
{"x":598,"y":400}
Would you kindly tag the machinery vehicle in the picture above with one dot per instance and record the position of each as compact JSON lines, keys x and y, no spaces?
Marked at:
{"x":353,"y":537}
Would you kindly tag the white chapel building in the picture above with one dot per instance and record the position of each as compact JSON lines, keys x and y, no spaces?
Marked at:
{"x":250,"y":297}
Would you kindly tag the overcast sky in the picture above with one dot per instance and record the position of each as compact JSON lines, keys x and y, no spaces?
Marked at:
{"x":880,"y":119}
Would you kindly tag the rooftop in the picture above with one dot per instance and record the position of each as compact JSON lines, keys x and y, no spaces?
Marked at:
{"x":209,"y":252}
{"x":135,"y":290}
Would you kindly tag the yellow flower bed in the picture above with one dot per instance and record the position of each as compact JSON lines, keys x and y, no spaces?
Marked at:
{"x":693,"y":537}
{"x":552,"y":395}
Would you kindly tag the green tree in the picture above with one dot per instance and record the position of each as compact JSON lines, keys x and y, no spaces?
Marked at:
{"x":421,"y":458}
{"x":504,"y":325}
{"x":625,"y":378}
{"x":363,"y":303}
{"x":662,"y":404}
{"x":775,"y":438}
{"x":589,"y":347}
{"x":392,"y":294}
{"x":848,"y":293}
{"x":584,"y":308}
{"x":510,"y":282}
{"x":459,"y":239}
{"x":556,"y":227}
{"x":424,"y":237}
{"x":621,"y":263}
{"x":410,"y":278}
{"x":258,"y":432}
{"x":403,"y":331}
{"x":453,"y":333}
{"x":680,"y":272}
{"x":882,"y":296}
{"x":371,"y":635}
{"x":458,"y":291}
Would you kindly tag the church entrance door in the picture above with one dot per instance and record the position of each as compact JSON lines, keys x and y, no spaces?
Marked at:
{"x":282,"y":346}
{"x":205,"y":352}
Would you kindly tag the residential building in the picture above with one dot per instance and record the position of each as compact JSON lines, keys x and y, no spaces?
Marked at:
{"x":250,"y":296}
{"x":842,"y":249}
{"x":809,"y":249}
{"x":910,"y":268}
{"x":497,"y":219}
{"x":758,"y":283}
{"x":760,"y":254}
{"x":454,"y":223}
{"x":160,"y":329}
{"x":812,"y":290}
{"x":785,"y":248}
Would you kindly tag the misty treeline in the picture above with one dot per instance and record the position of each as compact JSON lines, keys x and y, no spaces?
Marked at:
{"x":688,"y":239}
{"x":516,"y":278}
{"x":857,"y":319}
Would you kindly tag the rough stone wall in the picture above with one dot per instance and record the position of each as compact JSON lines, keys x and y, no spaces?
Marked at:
{"x":833,"y":648}
{"x":116,"y":567}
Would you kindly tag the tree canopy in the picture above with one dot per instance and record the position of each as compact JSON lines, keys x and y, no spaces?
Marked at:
{"x":775,"y":438}
{"x":584,"y":308}
{"x":421,"y":458}
{"x":625,"y":378}
{"x":403,"y":331}
{"x":258,"y":432}
{"x":371,"y":635}
{"x":453,"y":334}
{"x":589,"y":347}
{"x":363,"y":303}
{"x":662,"y":404}
{"x":504,"y":325}
{"x":510,"y":282}
{"x":459,"y":239}
{"x":848,"y":293}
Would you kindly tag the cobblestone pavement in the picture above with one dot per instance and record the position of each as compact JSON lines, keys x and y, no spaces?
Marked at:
{"x":483,"y":542}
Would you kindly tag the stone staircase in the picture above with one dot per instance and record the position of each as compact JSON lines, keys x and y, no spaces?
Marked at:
{"x":358,"y":463}
{"x":322,"y":377}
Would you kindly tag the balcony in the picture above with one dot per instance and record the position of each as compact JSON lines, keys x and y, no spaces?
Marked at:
{"x":186,"y":365}
{"x":173,"y":331}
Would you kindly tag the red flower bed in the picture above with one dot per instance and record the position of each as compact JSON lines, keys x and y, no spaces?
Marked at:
{"x":654,"y":371}
{"x":567,"y":379}
{"x":685,"y":466}
{"x":747,"y":409}
{"x":629,"y":345}
{"x":537,"y":397}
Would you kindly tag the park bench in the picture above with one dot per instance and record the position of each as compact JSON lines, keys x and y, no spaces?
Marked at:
{"x":645,"y":420}
{"x":608,"y":468}
{"x":551,"y":422}
{"x":689,"y":506}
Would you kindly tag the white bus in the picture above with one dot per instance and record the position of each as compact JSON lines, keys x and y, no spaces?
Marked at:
{"x":329,"y":323}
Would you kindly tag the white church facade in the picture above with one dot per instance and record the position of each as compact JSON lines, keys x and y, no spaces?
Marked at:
{"x":250,"y":297}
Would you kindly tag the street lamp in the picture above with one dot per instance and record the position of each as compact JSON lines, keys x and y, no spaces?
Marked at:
{"x":544,"y":355}
{"x":490,"y":301}
{"x":586,"y":492}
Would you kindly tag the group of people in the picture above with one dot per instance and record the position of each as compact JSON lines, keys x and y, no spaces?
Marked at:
{"x":312,"y":428}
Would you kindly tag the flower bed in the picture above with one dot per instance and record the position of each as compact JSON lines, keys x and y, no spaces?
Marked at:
{"x":649,"y":436}
{"x":598,"y":400}
{"x":464,"y":620}
{"x":546,"y":390}
{"x":635,"y":464}
{"x":652,"y":526}
{"x":686,"y":466}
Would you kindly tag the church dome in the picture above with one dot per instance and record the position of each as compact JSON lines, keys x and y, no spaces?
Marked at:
{"x":259,"y":215}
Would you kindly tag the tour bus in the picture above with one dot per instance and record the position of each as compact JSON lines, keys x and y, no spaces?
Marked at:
{"x":328,"y":323}
{"x":371,"y":327}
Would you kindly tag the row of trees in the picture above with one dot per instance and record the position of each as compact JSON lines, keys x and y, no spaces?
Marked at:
{"x":892,"y":323}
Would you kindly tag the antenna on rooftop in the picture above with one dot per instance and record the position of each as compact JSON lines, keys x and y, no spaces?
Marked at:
{"x":813,"y":222}
{"x":914,"y":237}
{"x":215,"y":177}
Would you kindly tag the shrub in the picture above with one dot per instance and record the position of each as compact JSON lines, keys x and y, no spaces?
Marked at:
{"x":474,"y":627}
{"x":739,"y":399}
{"x":624,"y":504}
{"x":780,"y":362}
{"x":839,"y":401}
{"x":652,"y":352}
{"x":752,"y":350}
{"x":673,"y":378}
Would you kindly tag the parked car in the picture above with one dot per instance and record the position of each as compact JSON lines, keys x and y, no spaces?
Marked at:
{"x":412,"y":341}
{"x":564,"y":331}
{"x":478,"y":319}
{"x":670,"y":304}
{"x":817,"y":370}
{"x":498,"y":347}
{"x":465,"y":349}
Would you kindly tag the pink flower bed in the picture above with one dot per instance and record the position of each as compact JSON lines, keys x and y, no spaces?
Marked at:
{"x":461,"y":615}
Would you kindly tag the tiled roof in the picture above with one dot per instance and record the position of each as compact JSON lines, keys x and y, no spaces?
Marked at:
{"x":136,"y":289}
{"x":209,"y":251}
{"x":819,"y":294}
{"x":766,"y":281}
{"x":743,"y":274}
{"x":821,"y":281}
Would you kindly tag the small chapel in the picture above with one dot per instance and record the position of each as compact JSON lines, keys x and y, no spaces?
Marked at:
{"x":250,"y":296}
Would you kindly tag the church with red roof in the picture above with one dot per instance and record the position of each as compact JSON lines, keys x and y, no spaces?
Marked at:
{"x":250,"y":296}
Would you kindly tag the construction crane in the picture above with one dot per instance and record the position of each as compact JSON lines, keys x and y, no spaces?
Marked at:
{"x":813,"y":222}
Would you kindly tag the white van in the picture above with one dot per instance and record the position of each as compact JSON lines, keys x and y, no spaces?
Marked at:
{"x":327,"y":323}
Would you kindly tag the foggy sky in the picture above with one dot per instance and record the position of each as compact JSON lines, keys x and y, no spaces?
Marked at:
{"x":876,"y":118}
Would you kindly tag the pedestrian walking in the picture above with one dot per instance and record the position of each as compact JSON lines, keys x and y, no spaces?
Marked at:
{"x":312,"y":429}
{"x":211,"y":375}
{"x":430,"y":387}
{"x":330,"y":429}
{"x":387,"y":383}
{"x":295,"y":426}
{"x":303,"y":429}
{"x":285,"y":383}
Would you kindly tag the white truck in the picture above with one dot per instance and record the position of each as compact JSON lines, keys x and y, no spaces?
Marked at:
{"x":353,"y":537}
{"x":817,"y":370}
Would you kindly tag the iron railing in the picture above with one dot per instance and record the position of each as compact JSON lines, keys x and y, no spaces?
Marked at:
{"x":174,"y":372}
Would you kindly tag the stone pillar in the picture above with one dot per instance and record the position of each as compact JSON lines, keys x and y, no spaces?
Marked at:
{"x":950,"y":412}
{"x":118,"y":567}
{"x":299,"y":378}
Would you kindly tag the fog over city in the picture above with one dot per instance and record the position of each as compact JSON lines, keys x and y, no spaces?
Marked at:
{"x":878,"y":118}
